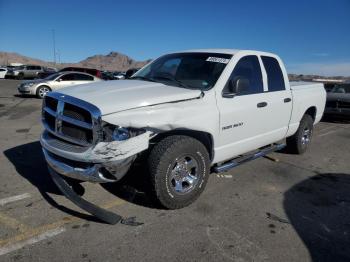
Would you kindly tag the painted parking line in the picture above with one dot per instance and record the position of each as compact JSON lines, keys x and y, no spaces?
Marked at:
{"x":18,"y":245}
{"x":328,"y":133}
{"x":32,"y":235}
{"x":11,"y":199}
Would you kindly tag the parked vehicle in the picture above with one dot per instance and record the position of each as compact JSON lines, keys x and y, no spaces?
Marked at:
{"x":119,"y":75}
{"x":338,"y":101}
{"x":187,"y":113}
{"x":130,"y":72}
{"x":25,"y":71}
{"x":90,"y":71}
{"x":3,"y":71}
{"x":56,"y":81}
{"x":106,"y":75}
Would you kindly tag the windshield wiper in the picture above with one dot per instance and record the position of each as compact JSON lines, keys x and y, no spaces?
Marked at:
{"x":174,"y":80}
{"x":142,"y":78}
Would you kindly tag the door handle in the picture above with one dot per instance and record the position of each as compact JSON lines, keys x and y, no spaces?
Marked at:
{"x":288,"y":99}
{"x":261,"y":104}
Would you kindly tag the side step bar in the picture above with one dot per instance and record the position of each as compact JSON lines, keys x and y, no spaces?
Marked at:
{"x":243,"y":159}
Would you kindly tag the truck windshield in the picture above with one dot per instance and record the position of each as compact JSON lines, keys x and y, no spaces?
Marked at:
{"x":188,"y":70}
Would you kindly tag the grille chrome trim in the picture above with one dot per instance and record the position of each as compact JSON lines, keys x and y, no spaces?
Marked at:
{"x":94,"y":126}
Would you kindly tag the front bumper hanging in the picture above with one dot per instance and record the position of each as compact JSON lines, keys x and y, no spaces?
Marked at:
{"x":100,"y":213}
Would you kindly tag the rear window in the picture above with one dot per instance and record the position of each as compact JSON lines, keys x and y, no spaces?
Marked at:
{"x":275,"y":78}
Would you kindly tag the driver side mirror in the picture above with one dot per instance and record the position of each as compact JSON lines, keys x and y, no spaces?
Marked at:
{"x":236,"y":86}
{"x":59,"y":80}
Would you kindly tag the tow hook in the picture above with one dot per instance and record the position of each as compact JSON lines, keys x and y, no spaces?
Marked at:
{"x":102,"y":214}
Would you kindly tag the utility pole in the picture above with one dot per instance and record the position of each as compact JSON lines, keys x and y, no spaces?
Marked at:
{"x":54,"y":46}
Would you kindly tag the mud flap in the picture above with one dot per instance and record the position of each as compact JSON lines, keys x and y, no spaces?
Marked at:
{"x":100,"y":213}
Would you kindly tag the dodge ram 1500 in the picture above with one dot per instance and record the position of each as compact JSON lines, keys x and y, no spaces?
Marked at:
{"x":189,"y":113}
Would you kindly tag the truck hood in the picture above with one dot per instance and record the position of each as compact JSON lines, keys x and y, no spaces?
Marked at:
{"x":120,"y":95}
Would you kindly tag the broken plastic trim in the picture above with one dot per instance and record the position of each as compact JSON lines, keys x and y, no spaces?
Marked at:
{"x":100,"y":213}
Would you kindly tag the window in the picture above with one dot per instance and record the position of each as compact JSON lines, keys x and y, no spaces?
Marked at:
{"x":187,"y":70}
{"x":247,"y":69}
{"x":274,"y":73}
{"x":341,"y":89}
{"x":82,"y":77}
{"x":67,"y":77}
{"x":2,"y":70}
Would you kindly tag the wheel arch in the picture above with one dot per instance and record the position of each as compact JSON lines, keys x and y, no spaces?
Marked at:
{"x":311,"y":111}
{"x":205,"y":138}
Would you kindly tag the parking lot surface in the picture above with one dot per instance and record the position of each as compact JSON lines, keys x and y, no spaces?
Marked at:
{"x":281,"y":208}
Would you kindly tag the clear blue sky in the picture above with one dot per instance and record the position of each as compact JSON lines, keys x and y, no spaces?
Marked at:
{"x":311,"y":36}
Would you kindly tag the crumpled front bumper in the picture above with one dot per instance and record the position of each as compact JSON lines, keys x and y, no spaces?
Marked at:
{"x":105,"y":162}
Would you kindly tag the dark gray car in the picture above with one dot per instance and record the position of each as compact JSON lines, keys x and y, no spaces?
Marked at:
{"x":338,"y":101}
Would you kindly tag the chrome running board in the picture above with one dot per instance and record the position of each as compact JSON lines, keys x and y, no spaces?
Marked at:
{"x":245,"y":158}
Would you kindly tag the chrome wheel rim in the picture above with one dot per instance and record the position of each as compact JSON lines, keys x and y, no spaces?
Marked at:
{"x":184,"y":175}
{"x":306,"y":137}
{"x":43,"y":91}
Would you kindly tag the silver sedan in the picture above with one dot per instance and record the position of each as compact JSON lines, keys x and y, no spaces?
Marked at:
{"x":56,"y":81}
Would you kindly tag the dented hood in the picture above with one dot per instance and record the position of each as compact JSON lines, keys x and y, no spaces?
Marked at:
{"x":119,"y":95}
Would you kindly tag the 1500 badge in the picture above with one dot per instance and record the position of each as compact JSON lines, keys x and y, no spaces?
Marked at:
{"x":232,"y":126}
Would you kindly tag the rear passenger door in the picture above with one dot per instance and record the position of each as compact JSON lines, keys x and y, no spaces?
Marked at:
{"x":82,"y":79}
{"x":279,"y":99}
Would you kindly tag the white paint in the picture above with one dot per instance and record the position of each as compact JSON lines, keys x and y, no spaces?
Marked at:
{"x":7,"y":200}
{"x":50,"y":233}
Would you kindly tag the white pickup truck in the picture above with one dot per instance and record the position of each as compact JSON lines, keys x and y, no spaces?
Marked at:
{"x":190,"y":113}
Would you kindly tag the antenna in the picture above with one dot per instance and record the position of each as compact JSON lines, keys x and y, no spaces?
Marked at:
{"x":54,"y":46}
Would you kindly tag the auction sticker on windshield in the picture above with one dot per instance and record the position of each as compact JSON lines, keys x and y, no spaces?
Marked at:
{"x":218,"y":60}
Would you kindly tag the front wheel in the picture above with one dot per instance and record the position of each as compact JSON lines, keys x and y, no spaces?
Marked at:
{"x":42,"y":91}
{"x":300,"y":141}
{"x":179,"y":170}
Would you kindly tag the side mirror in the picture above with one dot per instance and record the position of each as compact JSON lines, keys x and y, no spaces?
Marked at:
{"x":236,"y":86}
{"x":59,"y":80}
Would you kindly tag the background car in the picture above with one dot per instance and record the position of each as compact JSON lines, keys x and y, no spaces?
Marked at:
{"x":3,"y":72}
{"x":90,"y":71}
{"x":130,"y":72}
{"x":338,"y":101}
{"x":25,"y":71}
{"x":119,"y":75}
{"x":41,"y":87}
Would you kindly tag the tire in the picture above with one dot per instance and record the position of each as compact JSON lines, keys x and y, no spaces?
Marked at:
{"x":20,"y":76}
{"x":179,"y":169}
{"x":42,"y":91}
{"x":300,"y":141}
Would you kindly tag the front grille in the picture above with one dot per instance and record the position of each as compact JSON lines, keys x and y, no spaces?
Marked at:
{"x":71,"y":119}
{"x":50,"y":120}
{"x":342,"y":104}
{"x":76,"y":132}
{"x":51,"y":103}
{"x":77,"y":113}
{"x":338,"y":104}
{"x":331,"y":104}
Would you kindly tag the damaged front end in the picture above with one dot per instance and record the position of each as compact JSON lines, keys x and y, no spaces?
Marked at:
{"x":78,"y":144}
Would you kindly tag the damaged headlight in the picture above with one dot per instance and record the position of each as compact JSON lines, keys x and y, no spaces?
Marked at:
{"x":118,"y":133}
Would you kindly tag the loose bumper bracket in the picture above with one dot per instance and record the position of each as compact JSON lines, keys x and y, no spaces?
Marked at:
{"x":100,"y":213}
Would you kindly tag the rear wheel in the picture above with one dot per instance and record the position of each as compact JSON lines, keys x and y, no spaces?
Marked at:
{"x":300,"y":141}
{"x":179,"y":170}
{"x":42,"y":91}
{"x":20,"y":76}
